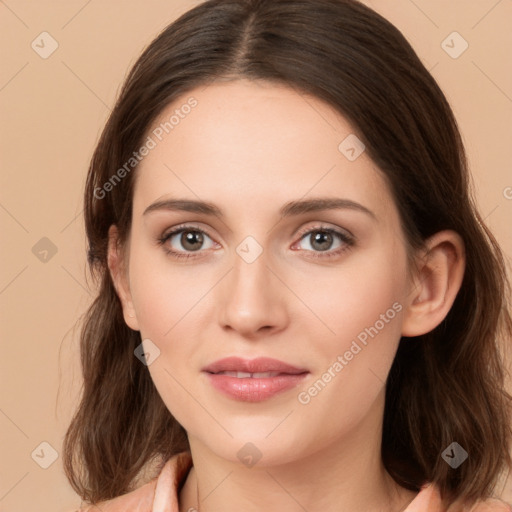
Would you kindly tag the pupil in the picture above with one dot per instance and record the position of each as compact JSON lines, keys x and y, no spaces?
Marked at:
{"x":189,"y":238}
{"x":324,"y":239}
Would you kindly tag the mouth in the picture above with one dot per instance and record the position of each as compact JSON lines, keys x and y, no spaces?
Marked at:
{"x":256,"y":368}
{"x":253,"y":380}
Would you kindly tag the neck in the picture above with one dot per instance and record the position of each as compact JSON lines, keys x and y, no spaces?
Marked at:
{"x":345,"y":475}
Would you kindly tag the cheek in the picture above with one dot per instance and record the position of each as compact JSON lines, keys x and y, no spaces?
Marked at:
{"x":163,"y":294}
{"x":363,"y":306}
{"x":166,"y":301}
{"x":353,"y":297}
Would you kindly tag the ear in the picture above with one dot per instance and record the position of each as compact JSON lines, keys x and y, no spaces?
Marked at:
{"x":436,"y":282}
{"x":119,"y":274}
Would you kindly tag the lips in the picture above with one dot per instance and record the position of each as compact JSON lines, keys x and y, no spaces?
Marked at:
{"x":253,"y":380}
{"x":238,"y":367}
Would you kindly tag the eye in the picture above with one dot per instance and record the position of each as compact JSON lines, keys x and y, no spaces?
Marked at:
{"x":185,"y":240}
{"x":190,"y":239}
{"x":321,"y":240}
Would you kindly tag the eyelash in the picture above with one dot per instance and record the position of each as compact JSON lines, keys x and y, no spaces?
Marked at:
{"x":344,"y":237}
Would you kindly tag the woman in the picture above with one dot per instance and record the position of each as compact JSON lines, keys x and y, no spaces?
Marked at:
{"x":300,"y":307}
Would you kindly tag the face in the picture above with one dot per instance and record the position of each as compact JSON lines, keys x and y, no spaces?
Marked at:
{"x":320,"y":289}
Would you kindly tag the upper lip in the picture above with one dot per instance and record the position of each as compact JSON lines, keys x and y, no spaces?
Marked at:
{"x":260,"y":364}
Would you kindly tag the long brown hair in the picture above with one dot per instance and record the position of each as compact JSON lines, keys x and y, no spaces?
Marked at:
{"x":445,"y":386}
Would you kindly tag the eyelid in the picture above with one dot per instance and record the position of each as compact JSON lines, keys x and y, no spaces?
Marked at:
{"x":184,"y":227}
{"x":320,"y":226}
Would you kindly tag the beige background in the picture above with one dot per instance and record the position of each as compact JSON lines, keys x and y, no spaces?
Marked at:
{"x":52,"y":113}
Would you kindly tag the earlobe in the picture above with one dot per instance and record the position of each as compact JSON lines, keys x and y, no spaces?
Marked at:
{"x":119,"y":276}
{"x":439,"y":275}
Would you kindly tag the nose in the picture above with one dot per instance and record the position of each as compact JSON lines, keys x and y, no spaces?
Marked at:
{"x":253,"y":299}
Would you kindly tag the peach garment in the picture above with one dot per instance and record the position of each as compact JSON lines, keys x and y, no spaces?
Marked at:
{"x":161,"y":495}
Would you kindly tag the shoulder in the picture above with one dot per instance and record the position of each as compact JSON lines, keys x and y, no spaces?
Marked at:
{"x":161,"y":491}
{"x":139,"y":500}
{"x":429,"y":500}
{"x":490,"y":505}
{"x":487,"y":505}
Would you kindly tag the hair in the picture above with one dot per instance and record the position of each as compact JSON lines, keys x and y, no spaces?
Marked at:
{"x":447,"y":385}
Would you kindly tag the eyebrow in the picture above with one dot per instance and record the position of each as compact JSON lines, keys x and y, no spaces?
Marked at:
{"x":289,"y":209}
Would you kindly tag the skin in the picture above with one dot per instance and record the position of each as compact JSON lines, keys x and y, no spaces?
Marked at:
{"x":249,"y":148}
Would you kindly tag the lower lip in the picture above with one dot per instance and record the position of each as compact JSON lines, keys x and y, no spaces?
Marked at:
{"x":251,"y":389}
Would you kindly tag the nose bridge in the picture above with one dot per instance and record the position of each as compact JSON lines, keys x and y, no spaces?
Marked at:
{"x":250,"y":300}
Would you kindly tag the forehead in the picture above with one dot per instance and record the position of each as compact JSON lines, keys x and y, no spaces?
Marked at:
{"x":253,"y":144}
